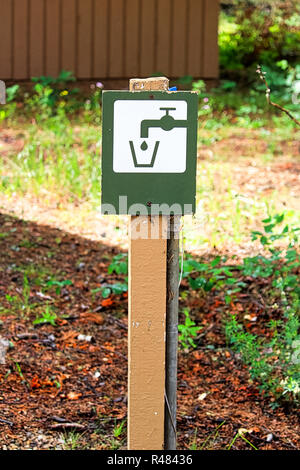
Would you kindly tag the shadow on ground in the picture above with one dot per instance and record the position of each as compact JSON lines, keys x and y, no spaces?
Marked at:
{"x":61,"y":390}
{"x":50,"y":379}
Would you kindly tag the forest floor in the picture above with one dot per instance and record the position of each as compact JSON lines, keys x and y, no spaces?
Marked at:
{"x":64,"y":385}
{"x":62,"y":390}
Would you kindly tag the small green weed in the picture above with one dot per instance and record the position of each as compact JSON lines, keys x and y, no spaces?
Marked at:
{"x":20,"y":303}
{"x":58,"y":284}
{"x":72,"y":441}
{"x":119,"y":266}
{"x":48,"y":316}
{"x":213,"y":276}
{"x":241,"y":435}
{"x":188,"y":331}
{"x":119,"y":429}
{"x":20,"y":373}
{"x":273,"y":359}
{"x":107,"y":289}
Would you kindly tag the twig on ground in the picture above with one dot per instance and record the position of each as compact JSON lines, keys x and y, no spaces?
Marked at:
{"x":67,"y":426}
{"x":58,"y":419}
{"x":6,"y":421}
{"x":114,"y":352}
{"x":262,"y":76}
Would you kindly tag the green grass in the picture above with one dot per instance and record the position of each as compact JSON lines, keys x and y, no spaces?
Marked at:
{"x":225,"y":212}
{"x":64,"y":163}
{"x":60,"y":162}
{"x":33,"y":278}
{"x":72,"y":441}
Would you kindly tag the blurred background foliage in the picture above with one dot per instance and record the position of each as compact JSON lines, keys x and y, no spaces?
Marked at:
{"x":258,"y":31}
{"x":51,"y":110}
{"x":251,"y":32}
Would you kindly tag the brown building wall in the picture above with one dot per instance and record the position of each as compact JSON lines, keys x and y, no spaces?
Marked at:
{"x":108,"y":38}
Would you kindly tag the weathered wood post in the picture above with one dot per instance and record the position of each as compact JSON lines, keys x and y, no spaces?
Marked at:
{"x":172,"y":332}
{"x":2,"y":92}
{"x":147,"y":322}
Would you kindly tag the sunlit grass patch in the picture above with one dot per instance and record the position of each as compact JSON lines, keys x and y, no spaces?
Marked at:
{"x":232,"y":198}
{"x":66,"y":164}
{"x":239,"y":177}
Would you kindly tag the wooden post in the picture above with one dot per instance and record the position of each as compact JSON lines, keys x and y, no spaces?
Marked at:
{"x":2,"y":92}
{"x":172,"y":332}
{"x":147,"y":320}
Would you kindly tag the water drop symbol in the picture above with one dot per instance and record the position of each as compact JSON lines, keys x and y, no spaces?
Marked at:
{"x":144,"y":146}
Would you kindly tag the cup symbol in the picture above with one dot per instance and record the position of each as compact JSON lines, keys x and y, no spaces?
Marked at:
{"x":144,"y":147}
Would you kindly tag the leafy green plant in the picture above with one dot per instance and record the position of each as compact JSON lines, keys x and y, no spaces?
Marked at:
{"x":58,"y":284}
{"x":52,"y":100}
{"x":118,"y":288}
{"x":213,"y":276}
{"x":258,"y":32}
{"x":20,"y":373}
{"x":241,"y":435}
{"x":119,"y":429}
{"x":21,"y":302}
{"x":48,"y":316}
{"x":72,"y":440}
{"x":119,"y":266}
{"x":266,"y":266}
{"x":271,"y":361}
{"x":12,"y":299}
{"x":250,"y":348}
{"x":12,"y":93}
{"x":8,"y":110}
{"x":291,"y":386}
{"x":199,"y":86}
{"x":269,"y":236}
{"x":188,"y":331}
{"x":51,"y":94}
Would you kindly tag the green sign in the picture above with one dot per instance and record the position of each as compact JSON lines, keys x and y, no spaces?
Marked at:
{"x":149,"y":152}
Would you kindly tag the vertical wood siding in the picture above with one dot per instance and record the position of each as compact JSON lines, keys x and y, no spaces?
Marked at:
{"x":108,"y":38}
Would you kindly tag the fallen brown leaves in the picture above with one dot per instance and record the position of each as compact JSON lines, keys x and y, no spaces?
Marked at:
{"x":67,"y":384}
{"x":74,"y":396}
{"x":91,"y":317}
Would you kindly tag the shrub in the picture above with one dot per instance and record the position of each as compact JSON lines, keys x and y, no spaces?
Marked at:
{"x":258,"y":31}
